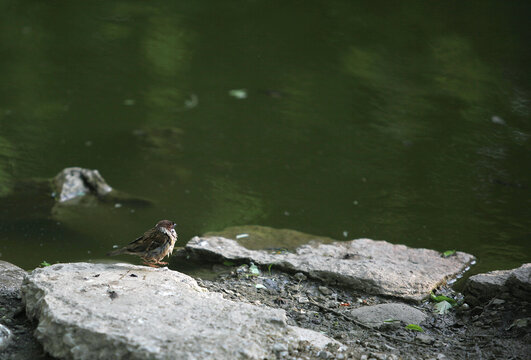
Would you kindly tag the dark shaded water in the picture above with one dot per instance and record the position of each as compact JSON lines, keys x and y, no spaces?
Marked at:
{"x":407,"y":122}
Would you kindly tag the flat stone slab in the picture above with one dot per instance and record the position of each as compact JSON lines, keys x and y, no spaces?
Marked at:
{"x":375,"y":267}
{"x":121,"y":311}
{"x":376,"y":316}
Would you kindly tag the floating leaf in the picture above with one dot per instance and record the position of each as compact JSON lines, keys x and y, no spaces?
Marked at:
{"x":448,"y":253}
{"x":442,"y":307}
{"x":414,"y":327}
{"x":238,"y":93}
{"x":228,"y":263}
{"x":443,"y":298}
{"x":44,"y":263}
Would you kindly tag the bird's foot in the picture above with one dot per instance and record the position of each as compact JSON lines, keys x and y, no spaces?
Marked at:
{"x":162,"y":262}
{"x":153,"y":265}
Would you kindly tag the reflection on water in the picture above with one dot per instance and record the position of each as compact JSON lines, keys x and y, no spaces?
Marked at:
{"x":403,"y":122}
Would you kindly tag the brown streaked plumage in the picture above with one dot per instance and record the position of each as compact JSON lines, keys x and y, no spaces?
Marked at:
{"x":154,"y":245}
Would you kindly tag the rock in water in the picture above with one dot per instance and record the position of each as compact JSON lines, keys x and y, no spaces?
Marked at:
{"x":75,"y":182}
{"x":156,"y":314}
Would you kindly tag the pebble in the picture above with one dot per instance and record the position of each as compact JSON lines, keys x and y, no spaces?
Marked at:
{"x":498,"y":301}
{"x":324,"y":290}
{"x":379,"y":356}
{"x":278,"y":347}
{"x":300,"y":276}
{"x":303,"y":300}
{"x":324,"y":354}
{"x":425,"y":339}
{"x":364,"y":357}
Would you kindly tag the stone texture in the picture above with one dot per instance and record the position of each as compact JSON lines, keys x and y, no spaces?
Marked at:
{"x":75,"y":182}
{"x":376,"y":267}
{"x":11,"y":277}
{"x":5,"y":337}
{"x":483,"y":287}
{"x":120,"y":311}
{"x":375,"y":315}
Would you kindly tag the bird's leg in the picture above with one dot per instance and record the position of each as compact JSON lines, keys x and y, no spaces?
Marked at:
{"x":162,"y":262}
{"x":151,"y":264}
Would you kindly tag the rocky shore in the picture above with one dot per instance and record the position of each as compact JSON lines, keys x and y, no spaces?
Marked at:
{"x":360,"y":299}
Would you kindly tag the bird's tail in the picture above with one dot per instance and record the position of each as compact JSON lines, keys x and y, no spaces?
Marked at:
{"x":117,"y":252}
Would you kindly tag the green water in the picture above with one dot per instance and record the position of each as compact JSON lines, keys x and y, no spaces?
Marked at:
{"x":402,"y":121}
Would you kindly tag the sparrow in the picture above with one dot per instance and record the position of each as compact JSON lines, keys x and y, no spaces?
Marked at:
{"x":154,"y":245}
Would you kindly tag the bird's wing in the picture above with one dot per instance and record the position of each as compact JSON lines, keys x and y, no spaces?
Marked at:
{"x":151,"y":239}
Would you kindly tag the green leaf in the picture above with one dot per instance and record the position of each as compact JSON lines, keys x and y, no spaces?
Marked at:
{"x":228,"y":263}
{"x":443,"y":298}
{"x":269,"y":268}
{"x":442,"y":307}
{"x":390,"y":320}
{"x":448,"y":253}
{"x":253,"y":269}
{"x":44,"y":263}
{"x":414,"y":327}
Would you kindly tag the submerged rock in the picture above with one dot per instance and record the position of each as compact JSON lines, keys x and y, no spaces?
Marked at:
{"x":375,"y":267}
{"x":256,"y":237}
{"x":120,"y":311}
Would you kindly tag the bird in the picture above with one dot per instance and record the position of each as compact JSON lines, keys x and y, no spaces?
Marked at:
{"x":153,"y":246}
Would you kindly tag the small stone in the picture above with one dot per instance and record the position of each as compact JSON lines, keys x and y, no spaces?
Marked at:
{"x":300,"y":276}
{"x":324,"y":290}
{"x":441,"y":356}
{"x":278,"y":347}
{"x":497,"y":301}
{"x":425,"y":339}
{"x":364,"y":357}
{"x":379,"y":356}
{"x":388,"y":347}
{"x":303,"y":300}
{"x":324,"y":354}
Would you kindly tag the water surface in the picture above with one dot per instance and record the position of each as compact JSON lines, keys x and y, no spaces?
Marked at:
{"x":406,"y":122}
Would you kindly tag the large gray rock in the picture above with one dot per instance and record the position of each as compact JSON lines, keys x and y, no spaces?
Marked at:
{"x":483,"y":287}
{"x":376,"y":315}
{"x":120,"y":311}
{"x":11,"y":277}
{"x":376,"y":267}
